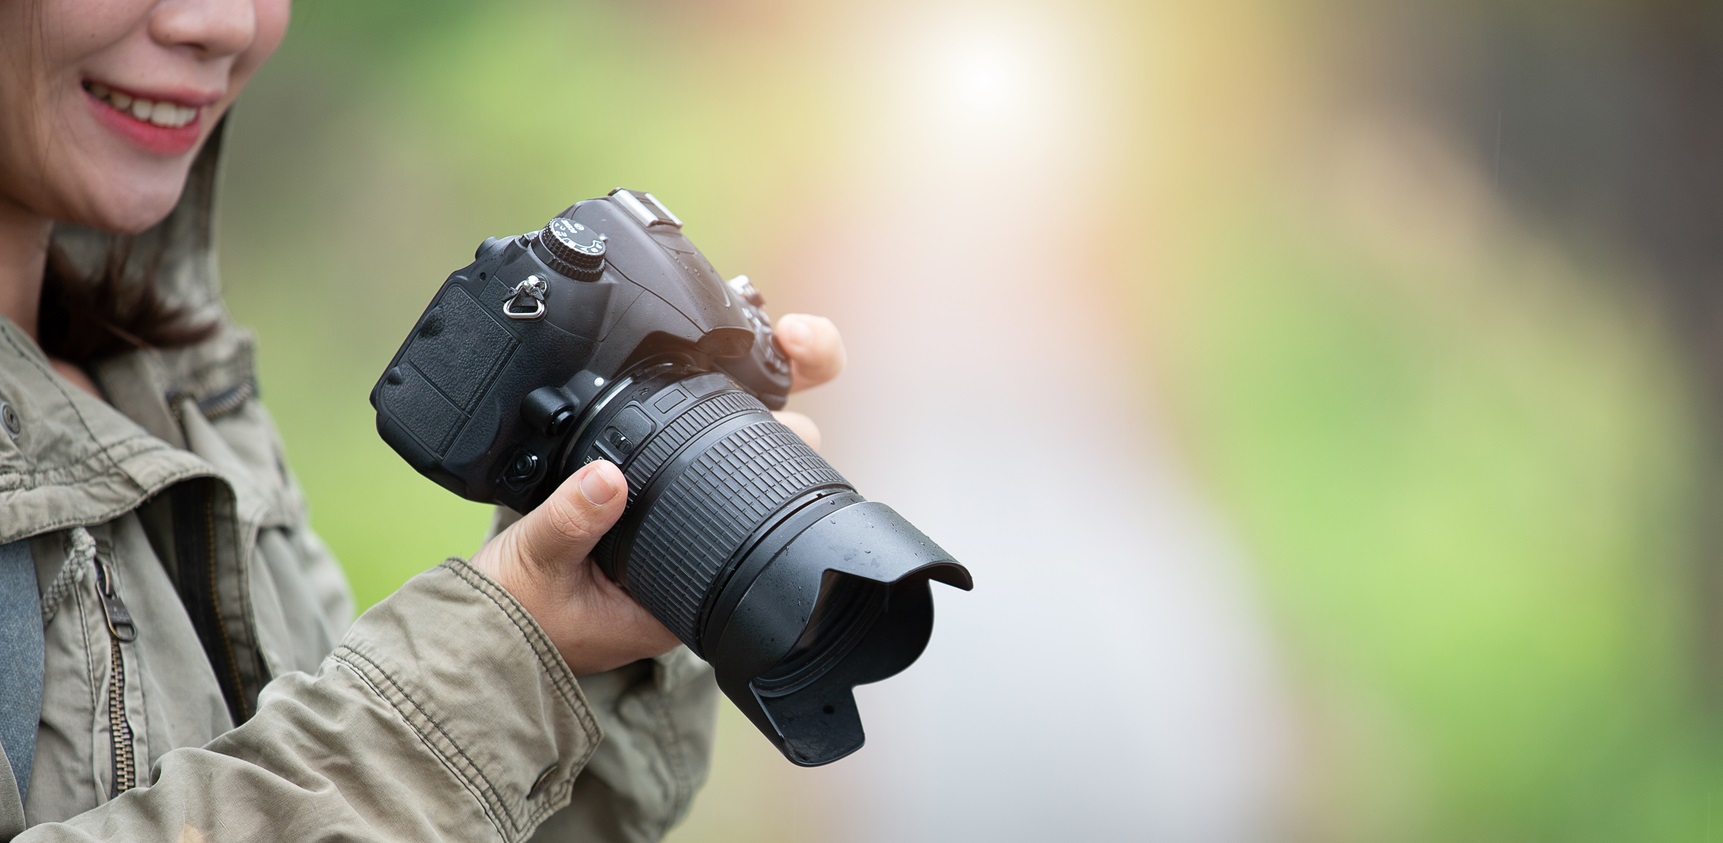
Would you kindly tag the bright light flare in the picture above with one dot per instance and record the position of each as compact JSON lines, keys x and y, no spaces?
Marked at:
{"x":985,"y":77}
{"x":984,"y":93}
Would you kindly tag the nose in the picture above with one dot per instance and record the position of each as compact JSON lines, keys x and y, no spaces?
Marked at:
{"x":213,"y":28}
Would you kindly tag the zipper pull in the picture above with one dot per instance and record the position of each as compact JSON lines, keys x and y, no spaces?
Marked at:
{"x":113,"y":608}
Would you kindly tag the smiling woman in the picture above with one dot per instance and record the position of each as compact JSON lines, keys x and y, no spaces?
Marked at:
{"x":117,"y":98}
{"x":175,"y":654}
{"x":72,"y":153}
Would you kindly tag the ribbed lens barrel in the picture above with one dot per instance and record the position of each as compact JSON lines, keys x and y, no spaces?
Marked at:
{"x":759,"y":555}
{"x":709,"y":473}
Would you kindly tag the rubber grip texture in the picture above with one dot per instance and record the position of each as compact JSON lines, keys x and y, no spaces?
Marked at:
{"x":711,"y":504}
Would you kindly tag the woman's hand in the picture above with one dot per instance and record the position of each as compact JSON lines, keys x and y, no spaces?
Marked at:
{"x":545,"y":558}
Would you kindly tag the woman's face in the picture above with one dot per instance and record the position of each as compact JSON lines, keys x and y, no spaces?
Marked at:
{"x":105,"y":103}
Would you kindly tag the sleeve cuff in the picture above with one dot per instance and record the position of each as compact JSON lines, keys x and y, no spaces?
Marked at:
{"x":484,"y":689}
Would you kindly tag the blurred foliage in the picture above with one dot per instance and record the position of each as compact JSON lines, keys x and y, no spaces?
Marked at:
{"x":1457,"y":438}
{"x":1464,"y":491}
{"x":1454,"y":441}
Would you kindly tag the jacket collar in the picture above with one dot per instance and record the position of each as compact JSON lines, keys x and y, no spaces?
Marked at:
{"x":79,"y":461}
{"x":75,"y":460}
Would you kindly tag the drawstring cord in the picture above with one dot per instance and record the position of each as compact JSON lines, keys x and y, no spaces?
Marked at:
{"x":72,"y":573}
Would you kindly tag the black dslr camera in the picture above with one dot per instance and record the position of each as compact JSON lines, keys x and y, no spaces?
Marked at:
{"x":608,"y":335}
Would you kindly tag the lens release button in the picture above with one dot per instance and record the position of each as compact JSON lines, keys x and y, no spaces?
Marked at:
{"x":548,"y":409}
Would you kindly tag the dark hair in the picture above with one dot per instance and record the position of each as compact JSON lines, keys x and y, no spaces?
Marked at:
{"x":119,"y":307}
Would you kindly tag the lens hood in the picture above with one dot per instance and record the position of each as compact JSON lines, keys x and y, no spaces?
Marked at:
{"x":844,"y":601}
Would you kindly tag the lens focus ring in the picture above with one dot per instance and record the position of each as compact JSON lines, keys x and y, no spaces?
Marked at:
{"x":708,"y":503}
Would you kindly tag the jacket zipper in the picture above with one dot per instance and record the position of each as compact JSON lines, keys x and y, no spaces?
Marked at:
{"x":226,"y":401}
{"x":121,"y":628}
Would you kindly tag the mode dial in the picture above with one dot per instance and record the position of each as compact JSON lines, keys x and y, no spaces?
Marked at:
{"x":571,"y":249}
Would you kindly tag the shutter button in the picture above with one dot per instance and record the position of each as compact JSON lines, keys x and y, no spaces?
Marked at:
{"x":9,"y":418}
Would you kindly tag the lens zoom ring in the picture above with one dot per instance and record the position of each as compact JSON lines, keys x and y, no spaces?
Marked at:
{"x":686,"y":426}
{"x":700,"y":521}
{"x":660,"y":448}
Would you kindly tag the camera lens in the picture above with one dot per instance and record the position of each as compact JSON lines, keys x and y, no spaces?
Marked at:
{"x":764,"y":560}
{"x":607,"y":335}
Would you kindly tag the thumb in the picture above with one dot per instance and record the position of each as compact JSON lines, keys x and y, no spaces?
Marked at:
{"x":567,"y":526}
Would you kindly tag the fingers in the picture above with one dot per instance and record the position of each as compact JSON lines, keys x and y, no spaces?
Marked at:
{"x":815,"y":349}
{"x":801,"y":425}
{"x":567,"y":526}
{"x":544,"y":561}
{"x":816,"y":353}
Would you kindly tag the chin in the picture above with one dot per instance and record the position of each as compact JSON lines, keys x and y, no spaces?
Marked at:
{"x":134,"y":213}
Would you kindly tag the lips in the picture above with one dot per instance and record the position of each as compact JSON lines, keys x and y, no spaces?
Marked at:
{"x":161,"y":113}
{"x":160,"y":124}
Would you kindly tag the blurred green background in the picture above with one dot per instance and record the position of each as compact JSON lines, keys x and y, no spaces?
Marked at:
{"x":1423,"y":291}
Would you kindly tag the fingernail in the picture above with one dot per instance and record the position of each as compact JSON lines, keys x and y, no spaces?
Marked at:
{"x":792,"y":330}
{"x":596,"y":486}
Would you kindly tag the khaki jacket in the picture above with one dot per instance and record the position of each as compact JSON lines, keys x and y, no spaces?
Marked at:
{"x":239,"y":705}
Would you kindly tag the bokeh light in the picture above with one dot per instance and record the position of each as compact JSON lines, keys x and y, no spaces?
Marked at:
{"x":1318,"y":391}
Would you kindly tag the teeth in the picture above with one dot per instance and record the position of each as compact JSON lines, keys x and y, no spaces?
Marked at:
{"x":164,"y":114}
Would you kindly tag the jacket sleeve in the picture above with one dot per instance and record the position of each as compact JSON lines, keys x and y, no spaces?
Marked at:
{"x":659,"y":719}
{"x":445,"y":714}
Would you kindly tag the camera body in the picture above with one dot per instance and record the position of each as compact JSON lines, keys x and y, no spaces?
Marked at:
{"x":607,"y":335}
{"x":482,"y":396}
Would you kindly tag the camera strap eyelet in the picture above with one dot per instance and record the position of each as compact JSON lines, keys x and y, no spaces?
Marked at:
{"x":533,"y":290}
